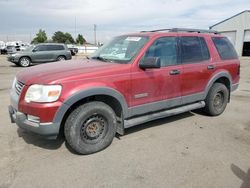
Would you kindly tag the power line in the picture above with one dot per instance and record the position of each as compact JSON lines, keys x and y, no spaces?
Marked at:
{"x":95,"y":33}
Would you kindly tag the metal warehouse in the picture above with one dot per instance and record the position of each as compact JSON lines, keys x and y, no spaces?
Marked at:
{"x":237,"y":29}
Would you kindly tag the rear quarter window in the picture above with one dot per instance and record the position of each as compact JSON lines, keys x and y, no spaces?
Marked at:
{"x":224,"y":48}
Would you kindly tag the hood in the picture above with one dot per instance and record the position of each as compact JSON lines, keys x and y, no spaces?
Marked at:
{"x":59,"y":72}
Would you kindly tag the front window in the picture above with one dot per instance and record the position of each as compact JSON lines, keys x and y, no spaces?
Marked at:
{"x":41,"y":48}
{"x":121,"y":49}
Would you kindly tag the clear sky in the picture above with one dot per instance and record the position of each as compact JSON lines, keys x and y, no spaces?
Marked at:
{"x":21,"y":19}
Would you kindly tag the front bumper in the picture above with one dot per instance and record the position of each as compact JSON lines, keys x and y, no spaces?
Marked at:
{"x":49,"y":130}
{"x":234,"y":87}
{"x":13,"y":59}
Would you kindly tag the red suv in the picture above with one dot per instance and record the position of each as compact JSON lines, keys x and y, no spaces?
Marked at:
{"x":131,"y":80}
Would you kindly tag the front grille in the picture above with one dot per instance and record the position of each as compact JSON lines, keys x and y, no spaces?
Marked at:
{"x":18,"y":87}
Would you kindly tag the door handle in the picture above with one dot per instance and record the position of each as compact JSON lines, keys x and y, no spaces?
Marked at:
{"x":210,"y":67}
{"x":174,"y":72}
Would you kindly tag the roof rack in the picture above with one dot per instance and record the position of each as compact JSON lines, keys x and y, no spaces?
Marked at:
{"x":185,"y":30}
{"x":193,"y":30}
{"x":158,"y":30}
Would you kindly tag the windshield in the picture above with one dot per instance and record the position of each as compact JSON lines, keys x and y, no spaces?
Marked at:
{"x":121,"y":49}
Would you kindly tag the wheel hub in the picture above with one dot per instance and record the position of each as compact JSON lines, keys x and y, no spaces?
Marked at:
{"x":24,"y":62}
{"x":218,"y":100}
{"x":93,"y":127}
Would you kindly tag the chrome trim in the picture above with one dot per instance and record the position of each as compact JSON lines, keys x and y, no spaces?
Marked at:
{"x":18,"y":87}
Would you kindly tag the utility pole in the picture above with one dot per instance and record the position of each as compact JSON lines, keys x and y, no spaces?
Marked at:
{"x":95,"y":33}
{"x":75,"y":27}
{"x":30,"y":38}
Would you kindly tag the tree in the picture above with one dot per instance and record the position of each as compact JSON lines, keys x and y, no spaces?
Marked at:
{"x":80,"y":39}
{"x":69,"y":38}
{"x":61,"y":37}
{"x":41,"y":37}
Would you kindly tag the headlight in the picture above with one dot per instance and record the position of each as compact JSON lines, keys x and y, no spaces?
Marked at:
{"x":43,"y":93}
{"x":13,"y":55}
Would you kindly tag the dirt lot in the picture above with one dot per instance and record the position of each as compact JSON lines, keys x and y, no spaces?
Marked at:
{"x":188,"y":150}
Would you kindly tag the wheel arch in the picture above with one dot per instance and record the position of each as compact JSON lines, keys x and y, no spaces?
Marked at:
{"x":222,"y":77}
{"x":62,"y":56}
{"x":27,"y":56}
{"x":109,"y":96}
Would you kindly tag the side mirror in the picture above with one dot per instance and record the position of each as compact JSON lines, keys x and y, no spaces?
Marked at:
{"x":34,"y":50}
{"x":150,"y":63}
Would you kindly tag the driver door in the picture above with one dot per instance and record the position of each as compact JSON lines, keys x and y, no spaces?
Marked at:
{"x":158,"y":88}
{"x":40,"y":54}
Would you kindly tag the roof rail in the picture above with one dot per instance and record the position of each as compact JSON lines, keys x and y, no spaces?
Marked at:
{"x":185,"y":30}
{"x":157,"y":30}
{"x":194,"y":30}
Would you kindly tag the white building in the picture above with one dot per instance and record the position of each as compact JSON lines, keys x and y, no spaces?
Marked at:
{"x":237,"y":29}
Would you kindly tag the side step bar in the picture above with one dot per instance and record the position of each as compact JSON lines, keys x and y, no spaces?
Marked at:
{"x":162,"y":114}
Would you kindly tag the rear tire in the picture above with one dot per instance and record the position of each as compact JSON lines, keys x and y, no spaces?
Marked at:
{"x":24,"y":62}
{"x":61,"y":58}
{"x":90,"y":128}
{"x":217,"y":99}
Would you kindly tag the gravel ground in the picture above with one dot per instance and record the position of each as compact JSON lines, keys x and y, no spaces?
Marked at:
{"x":187,"y":150}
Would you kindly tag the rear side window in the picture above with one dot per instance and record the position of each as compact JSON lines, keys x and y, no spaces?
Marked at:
{"x":194,"y":49}
{"x":55,"y":47}
{"x":224,"y":48}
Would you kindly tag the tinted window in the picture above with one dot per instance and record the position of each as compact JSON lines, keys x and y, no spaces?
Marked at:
{"x":41,"y":48}
{"x":164,"y":48}
{"x":193,"y":49}
{"x":224,"y":48}
{"x":55,"y":47}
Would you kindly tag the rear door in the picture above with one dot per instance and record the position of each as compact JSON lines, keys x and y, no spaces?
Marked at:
{"x":197,"y":67}
{"x":53,"y":51}
{"x":56,"y":51}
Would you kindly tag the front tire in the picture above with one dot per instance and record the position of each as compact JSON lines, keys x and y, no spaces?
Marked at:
{"x":24,"y":62}
{"x":217,"y":99}
{"x":91,"y":127}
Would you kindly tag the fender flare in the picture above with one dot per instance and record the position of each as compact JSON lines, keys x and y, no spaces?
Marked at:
{"x":87,"y":93}
{"x":216,"y":77}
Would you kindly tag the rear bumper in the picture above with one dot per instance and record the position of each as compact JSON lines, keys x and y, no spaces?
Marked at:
{"x":49,"y":130}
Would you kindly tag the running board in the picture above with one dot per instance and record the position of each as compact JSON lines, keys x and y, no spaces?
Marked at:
{"x":162,"y":114}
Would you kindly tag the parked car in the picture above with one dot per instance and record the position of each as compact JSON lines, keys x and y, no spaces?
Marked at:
{"x":10,"y":49}
{"x":23,"y":46}
{"x":73,"y":49}
{"x":40,"y":53}
{"x":2,"y":47}
{"x":131,"y":80}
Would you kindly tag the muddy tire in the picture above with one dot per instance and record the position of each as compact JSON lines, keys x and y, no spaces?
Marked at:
{"x":217,"y":99}
{"x":90,"y":128}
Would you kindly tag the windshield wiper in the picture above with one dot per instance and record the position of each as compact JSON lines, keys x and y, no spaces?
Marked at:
{"x":100,"y":58}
